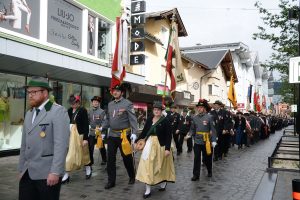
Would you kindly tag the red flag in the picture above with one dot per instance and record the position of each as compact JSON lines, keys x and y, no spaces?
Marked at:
{"x":169,"y":57}
{"x":120,"y":59}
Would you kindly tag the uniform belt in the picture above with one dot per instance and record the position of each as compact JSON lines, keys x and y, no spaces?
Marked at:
{"x":202,"y":133}
{"x":121,"y":130}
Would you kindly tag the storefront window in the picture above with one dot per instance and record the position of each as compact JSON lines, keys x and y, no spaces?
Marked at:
{"x":104,"y":40}
{"x":141,"y":114}
{"x":88,"y":93}
{"x":12,"y":99}
{"x":63,"y":90}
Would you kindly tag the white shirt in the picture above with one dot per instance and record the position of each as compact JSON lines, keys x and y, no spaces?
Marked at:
{"x":40,"y":108}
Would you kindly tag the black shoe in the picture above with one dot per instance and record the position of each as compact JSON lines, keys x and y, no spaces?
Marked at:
{"x":131,"y":181}
{"x":209,"y":174}
{"x":103,"y":163}
{"x":145,"y":196}
{"x":88,"y":176}
{"x":189,"y":151}
{"x":109,"y":185}
{"x":163,"y":189}
{"x":66,"y":181}
{"x":195,"y":178}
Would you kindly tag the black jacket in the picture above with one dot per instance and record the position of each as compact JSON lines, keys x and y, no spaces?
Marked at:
{"x":184,"y":125}
{"x":174,"y":120}
{"x":81,"y":120}
{"x":163,"y":132}
{"x":240,"y":122}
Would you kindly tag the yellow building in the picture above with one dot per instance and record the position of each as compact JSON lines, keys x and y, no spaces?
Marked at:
{"x":157,"y":29}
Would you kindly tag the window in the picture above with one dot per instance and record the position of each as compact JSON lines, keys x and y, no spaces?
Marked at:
{"x":213,"y":90}
{"x":104,"y":40}
{"x":88,"y":93}
{"x":209,"y":89}
{"x":63,"y":90}
{"x":12,"y":100}
{"x":164,"y":36}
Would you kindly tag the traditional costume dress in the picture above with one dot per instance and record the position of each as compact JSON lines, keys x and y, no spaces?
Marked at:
{"x":154,"y":167}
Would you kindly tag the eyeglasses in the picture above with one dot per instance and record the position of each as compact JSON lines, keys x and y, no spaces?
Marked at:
{"x":34,"y":92}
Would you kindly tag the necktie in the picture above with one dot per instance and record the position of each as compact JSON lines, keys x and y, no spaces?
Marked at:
{"x":37,"y":112}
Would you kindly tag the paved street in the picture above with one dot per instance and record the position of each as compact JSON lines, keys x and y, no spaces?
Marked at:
{"x":235,"y":177}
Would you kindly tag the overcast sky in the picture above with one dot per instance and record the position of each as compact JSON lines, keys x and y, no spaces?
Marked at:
{"x":219,"y":21}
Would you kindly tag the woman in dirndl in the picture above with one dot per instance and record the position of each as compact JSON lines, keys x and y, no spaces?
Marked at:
{"x":78,"y":115}
{"x":156,"y":164}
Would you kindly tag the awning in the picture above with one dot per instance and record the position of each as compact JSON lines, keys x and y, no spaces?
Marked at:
{"x":18,"y":58}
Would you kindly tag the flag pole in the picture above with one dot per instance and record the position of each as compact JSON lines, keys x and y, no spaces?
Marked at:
{"x":165,"y":85}
{"x":164,"y":93}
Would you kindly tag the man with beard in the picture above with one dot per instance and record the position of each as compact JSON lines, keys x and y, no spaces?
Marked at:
{"x":45,"y":141}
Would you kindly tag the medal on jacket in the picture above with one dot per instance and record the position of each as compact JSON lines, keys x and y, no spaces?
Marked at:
{"x":42,"y":133}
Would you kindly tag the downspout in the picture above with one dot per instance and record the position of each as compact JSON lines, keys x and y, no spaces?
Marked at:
{"x":201,"y":82}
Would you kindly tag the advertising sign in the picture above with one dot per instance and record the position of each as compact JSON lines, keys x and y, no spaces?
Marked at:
{"x":21,"y":16}
{"x":64,"y":24}
{"x":91,"y":35}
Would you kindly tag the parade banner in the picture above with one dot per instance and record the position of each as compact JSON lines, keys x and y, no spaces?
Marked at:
{"x":21,"y":16}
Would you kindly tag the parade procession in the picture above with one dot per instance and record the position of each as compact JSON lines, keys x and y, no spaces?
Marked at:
{"x":101,"y":100}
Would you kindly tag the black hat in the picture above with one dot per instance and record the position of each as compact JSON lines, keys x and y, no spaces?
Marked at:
{"x":173,"y":106}
{"x":219,"y":103}
{"x":204,"y":103}
{"x":239,"y":112}
{"x":185,"y":110}
{"x":39,"y":82}
{"x":118,"y":87}
{"x":96,"y":98}
{"x":158,"y":104}
{"x":73,"y":99}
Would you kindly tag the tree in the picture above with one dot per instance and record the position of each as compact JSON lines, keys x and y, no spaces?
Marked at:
{"x":282,"y":33}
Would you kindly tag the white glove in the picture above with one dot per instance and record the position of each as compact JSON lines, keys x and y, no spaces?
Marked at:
{"x":214,"y":144}
{"x":103,"y":136}
{"x":133,"y":138}
{"x":164,"y":113}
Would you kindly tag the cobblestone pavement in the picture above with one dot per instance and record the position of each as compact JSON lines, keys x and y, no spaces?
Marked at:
{"x":235,"y":177}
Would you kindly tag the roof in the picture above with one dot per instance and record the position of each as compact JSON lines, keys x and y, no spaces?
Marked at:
{"x":212,"y":59}
{"x":231,"y":46}
{"x":152,"y":38}
{"x":167,"y":14}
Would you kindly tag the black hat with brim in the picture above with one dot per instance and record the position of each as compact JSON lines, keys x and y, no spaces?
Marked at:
{"x":118,"y":87}
{"x":73,"y":99}
{"x":158,"y":104}
{"x":204,"y":103}
{"x":39,"y":82}
{"x":96,"y":98}
{"x":219,"y":103}
{"x":185,"y":110}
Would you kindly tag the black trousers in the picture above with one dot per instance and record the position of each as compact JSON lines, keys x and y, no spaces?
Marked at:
{"x":37,"y":189}
{"x":189,"y":143}
{"x":92,"y":141}
{"x":176,"y":139}
{"x":113,"y":143}
{"x":198,"y":148}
